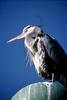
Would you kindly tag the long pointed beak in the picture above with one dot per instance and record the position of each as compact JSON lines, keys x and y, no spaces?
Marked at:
{"x":22,"y":35}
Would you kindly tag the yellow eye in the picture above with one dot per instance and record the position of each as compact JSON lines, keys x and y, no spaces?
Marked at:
{"x":25,"y":30}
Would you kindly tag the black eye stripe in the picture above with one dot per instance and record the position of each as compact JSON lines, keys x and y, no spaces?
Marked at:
{"x":29,"y":26}
{"x":26,"y":28}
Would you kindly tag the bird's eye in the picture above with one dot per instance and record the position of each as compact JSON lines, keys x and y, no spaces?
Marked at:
{"x":25,"y":30}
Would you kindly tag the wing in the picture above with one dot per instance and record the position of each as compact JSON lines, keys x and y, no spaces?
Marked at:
{"x":53,"y":48}
{"x":58,"y":57}
{"x":49,"y":58}
{"x":42,"y":61}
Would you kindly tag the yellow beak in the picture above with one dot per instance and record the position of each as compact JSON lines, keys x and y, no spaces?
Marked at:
{"x":20,"y":36}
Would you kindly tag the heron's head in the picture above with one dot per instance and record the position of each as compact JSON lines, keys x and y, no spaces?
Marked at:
{"x":31,"y":31}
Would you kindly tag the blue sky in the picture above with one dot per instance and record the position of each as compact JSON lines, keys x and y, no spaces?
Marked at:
{"x":14,"y":15}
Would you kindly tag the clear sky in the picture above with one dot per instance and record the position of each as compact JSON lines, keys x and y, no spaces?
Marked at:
{"x":14,"y":15}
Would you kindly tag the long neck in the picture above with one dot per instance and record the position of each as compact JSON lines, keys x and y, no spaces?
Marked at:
{"x":28,"y":43}
{"x":30,"y":40}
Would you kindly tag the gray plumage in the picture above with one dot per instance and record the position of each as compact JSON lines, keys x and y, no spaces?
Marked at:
{"x":52,"y":58}
{"x":46,"y":53}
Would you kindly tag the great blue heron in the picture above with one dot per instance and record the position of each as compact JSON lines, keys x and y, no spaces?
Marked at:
{"x":46,"y":53}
